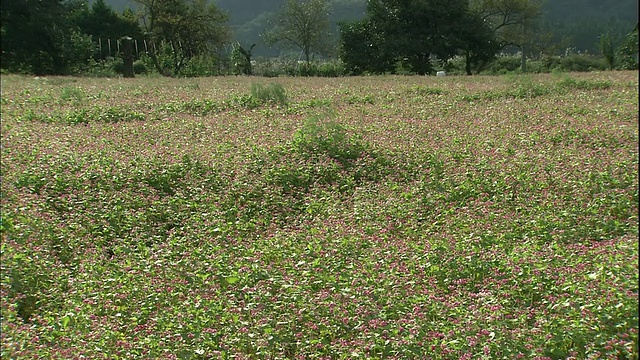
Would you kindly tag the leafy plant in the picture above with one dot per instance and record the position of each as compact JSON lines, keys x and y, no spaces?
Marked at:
{"x":270,"y":93}
{"x":321,"y":136}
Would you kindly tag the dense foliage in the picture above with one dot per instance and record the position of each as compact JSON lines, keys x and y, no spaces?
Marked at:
{"x":179,"y":30}
{"x":302,"y":25}
{"x":39,"y":37}
{"x":370,"y":217}
{"x":194,"y":37}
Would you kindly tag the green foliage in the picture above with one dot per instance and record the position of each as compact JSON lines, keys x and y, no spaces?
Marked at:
{"x":101,"y":22}
{"x":607,"y":48}
{"x":627,"y":52}
{"x":40,"y":39}
{"x":511,"y":64}
{"x":241,"y":59}
{"x":139,"y":67}
{"x":179,"y":30}
{"x":203,"y":230}
{"x":322,"y":136}
{"x":72,"y":94}
{"x":106,"y":68}
{"x":202,"y":65}
{"x":362,"y":50}
{"x":302,"y":25}
{"x":270,"y":93}
{"x":578,"y":63}
{"x":522,"y":86}
{"x":394,"y":34}
{"x":584,"y":84}
{"x":95,"y":114}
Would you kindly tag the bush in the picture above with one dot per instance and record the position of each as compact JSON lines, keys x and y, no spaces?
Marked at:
{"x":273,"y":93}
{"x":505,"y":63}
{"x":578,"y":63}
{"x":319,"y":136}
{"x":106,"y":68}
{"x":139,"y":67}
{"x":201,"y":65}
{"x":331,"y":69}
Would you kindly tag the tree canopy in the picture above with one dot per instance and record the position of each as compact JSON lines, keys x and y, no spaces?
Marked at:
{"x":411,"y":34}
{"x":303,"y":25}
{"x":178,"y":30}
{"x":40,"y":37}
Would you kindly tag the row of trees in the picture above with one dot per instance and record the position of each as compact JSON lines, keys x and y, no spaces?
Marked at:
{"x":55,"y":36}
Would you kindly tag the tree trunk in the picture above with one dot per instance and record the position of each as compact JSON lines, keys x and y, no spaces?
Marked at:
{"x":127,"y":57}
{"x":468,"y":62}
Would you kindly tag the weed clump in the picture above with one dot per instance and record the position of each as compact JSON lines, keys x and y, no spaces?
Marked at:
{"x":271,"y":93}
{"x":319,"y":136}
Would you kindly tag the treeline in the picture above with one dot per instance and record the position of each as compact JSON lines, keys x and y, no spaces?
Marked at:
{"x":194,"y":38}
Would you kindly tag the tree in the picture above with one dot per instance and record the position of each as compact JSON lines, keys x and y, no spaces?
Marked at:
{"x":478,"y":43}
{"x":627,"y":52}
{"x":101,"y":22}
{"x":410,"y":34}
{"x":178,"y":30}
{"x":241,"y":59}
{"x":303,"y":25}
{"x":362,"y":49}
{"x":608,"y":49}
{"x":38,"y":37}
{"x":513,"y":22}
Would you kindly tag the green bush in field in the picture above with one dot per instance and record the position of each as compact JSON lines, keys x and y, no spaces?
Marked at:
{"x":321,"y":136}
{"x":271,"y":93}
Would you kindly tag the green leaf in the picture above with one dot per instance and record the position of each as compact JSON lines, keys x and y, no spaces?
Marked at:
{"x":65,"y":321}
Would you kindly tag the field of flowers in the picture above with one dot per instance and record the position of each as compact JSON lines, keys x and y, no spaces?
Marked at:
{"x":343,"y":218}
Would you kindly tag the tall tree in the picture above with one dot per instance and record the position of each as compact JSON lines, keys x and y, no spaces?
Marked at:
{"x":513,"y":22}
{"x":478,"y":43}
{"x":39,"y":37}
{"x":409,"y":33}
{"x":178,"y":30}
{"x":303,"y":25}
{"x":102,"y":22}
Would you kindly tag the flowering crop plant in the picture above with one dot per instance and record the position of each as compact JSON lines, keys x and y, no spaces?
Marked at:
{"x":378,"y":217}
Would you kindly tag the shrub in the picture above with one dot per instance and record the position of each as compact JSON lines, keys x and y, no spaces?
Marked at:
{"x":320,"y":136}
{"x":331,"y":69}
{"x":111,"y":67}
{"x":505,"y":63}
{"x":578,"y":63}
{"x":201,"y":65}
{"x":273,"y":93}
{"x":139,"y":67}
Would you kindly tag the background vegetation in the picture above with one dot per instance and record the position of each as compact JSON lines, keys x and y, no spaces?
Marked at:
{"x":198,"y":38}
